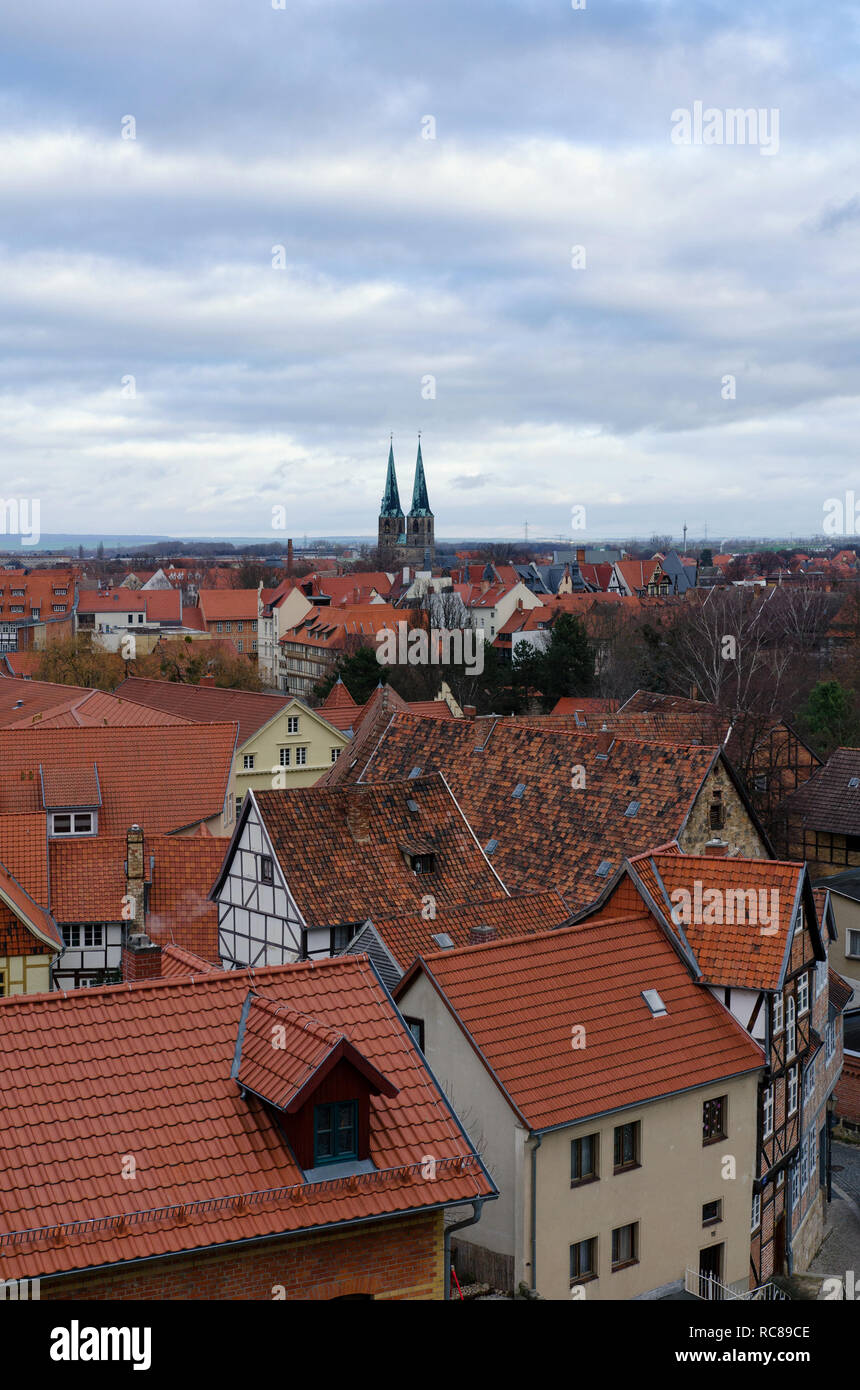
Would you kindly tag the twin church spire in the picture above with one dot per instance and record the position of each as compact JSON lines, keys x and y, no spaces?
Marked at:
{"x":406,"y":540}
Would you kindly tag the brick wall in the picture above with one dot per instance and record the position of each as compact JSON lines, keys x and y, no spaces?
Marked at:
{"x":398,"y":1259}
{"x":847,"y":1092}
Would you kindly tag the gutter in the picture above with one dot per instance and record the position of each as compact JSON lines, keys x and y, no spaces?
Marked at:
{"x":539,"y":1138}
{"x":477,"y":1208}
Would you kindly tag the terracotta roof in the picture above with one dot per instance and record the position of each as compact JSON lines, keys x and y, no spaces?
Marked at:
{"x":341,"y":848}
{"x":22,"y":663}
{"x":828,"y":801}
{"x":217,"y":605}
{"x":485,"y":762}
{"x":165,"y":1050}
{"x":339,"y":701}
{"x":206,"y":704}
{"x":177,"y":961}
{"x":410,"y":935}
{"x":345,"y":714}
{"x":50,"y":705}
{"x":163,"y":605}
{"x":374,"y":718}
{"x":583,"y":705}
{"x":163,"y":778}
{"x":519,"y":999}
{"x":113,"y":601}
{"x":70,"y":786}
{"x":755,"y":898}
{"x":24,"y":851}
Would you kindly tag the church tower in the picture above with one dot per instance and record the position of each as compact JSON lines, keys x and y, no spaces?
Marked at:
{"x":420,"y":538}
{"x":392,"y":523}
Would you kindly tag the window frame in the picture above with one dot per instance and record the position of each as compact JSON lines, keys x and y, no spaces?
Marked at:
{"x":633,"y":1258}
{"x":625,"y":1165}
{"x":792,"y":1090}
{"x":712,"y":1220}
{"x":593,"y":1174}
{"x":803,"y":994}
{"x":767,"y":1112}
{"x":723,"y":1133}
{"x":581,"y":1275}
{"x":337,"y":1155}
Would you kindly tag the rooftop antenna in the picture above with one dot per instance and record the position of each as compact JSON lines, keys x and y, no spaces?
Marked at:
{"x":685,"y":537}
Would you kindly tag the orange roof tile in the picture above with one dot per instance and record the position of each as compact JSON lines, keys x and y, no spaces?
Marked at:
{"x":518,"y":1001}
{"x":205,"y":703}
{"x":165,"y":1050}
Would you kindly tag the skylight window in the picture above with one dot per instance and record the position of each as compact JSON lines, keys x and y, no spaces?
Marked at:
{"x":411,"y":805}
{"x":416,"y":772}
{"x":490,"y":846}
{"x":518,"y":791}
{"x":655,"y":1003}
{"x":632,"y":808}
{"x":443,"y":941}
{"x":854,"y":782}
{"x":603,"y":868}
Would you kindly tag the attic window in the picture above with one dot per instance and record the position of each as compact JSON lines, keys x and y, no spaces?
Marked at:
{"x":267,"y":869}
{"x":518,"y":791}
{"x":603,"y":868}
{"x":443,"y":941}
{"x":854,"y":782}
{"x":632,"y":808}
{"x":416,"y":772}
{"x":335,"y":1132}
{"x":422,"y":863}
{"x":72,"y":823}
{"x":491,"y":846}
{"x":655,"y":1003}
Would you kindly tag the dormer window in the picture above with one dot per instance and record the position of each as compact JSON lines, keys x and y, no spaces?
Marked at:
{"x":73,"y":823}
{"x":422,"y":863}
{"x":335,"y":1132}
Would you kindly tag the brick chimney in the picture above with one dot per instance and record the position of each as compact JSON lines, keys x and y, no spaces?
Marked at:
{"x":469,"y":711}
{"x":580,"y":556}
{"x":481,"y":934}
{"x":289,"y":558}
{"x":207,"y":680}
{"x":605,"y":740}
{"x":141,"y":958}
{"x":694,"y":692}
{"x":134,"y":875}
{"x":716,"y":849}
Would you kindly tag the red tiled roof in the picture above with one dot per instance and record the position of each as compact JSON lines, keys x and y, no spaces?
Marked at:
{"x":163,"y":605}
{"x":177,"y":961}
{"x":410,"y":935}
{"x":206,"y":703}
{"x":163,"y":778}
{"x":519,"y":999}
{"x":486,"y":761}
{"x":50,"y":705}
{"x":164,"y":1052}
{"x":70,"y":786}
{"x":217,"y":605}
{"x":358,"y":864}
{"x":584,"y":705}
{"x":828,"y":802}
{"x":24,"y":851}
{"x":15,"y":897}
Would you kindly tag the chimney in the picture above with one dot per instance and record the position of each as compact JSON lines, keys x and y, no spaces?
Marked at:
{"x":141,"y":958}
{"x":134,"y":875}
{"x":716,"y":849}
{"x":694,"y":692}
{"x":207,"y":680}
{"x":480,"y":935}
{"x":605,"y":740}
{"x":289,"y":558}
{"x":580,"y":556}
{"x":469,"y":711}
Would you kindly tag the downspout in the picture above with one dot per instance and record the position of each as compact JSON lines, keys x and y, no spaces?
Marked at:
{"x":477,"y":1208}
{"x":539,"y":1138}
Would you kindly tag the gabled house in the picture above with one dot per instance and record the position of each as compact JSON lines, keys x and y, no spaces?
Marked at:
{"x":267,"y":1134}
{"x":604,"y":1088}
{"x":561,"y":809}
{"x":306,"y":869}
{"x":748,"y":931}
{"x":820,"y":820}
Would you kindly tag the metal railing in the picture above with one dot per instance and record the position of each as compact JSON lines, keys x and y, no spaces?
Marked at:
{"x":709,"y":1288}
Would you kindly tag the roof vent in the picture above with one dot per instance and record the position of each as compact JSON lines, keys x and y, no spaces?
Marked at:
{"x":518,"y":791}
{"x":412,"y":805}
{"x":603,"y":868}
{"x":443,"y":941}
{"x":491,"y":846}
{"x":632,"y":808}
{"x":416,"y":772}
{"x":853,"y":781}
{"x":655,"y":1003}
{"x":19,"y":703}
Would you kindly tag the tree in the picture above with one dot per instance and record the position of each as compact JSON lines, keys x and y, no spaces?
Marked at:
{"x":100,"y":551}
{"x":829,"y":717}
{"x":79,"y":661}
{"x":566,"y":666}
{"x":179,"y":659}
{"x":360,"y":672}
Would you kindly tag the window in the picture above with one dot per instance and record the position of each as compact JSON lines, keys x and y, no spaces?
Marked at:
{"x":755,"y":1221}
{"x":248,"y":761}
{"x":422,"y":863}
{"x":778,"y":1014}
{"x":72,"y":823}
{"x":625,"y":1245}
{"x":239,"y":644}
{"x":583,"y":1159}
{"x":792,"y":1090}
{"x":813,"y":1151}
{"x":714,"y":1120}
{"x":292,"y":723}
{"x":804,"y":1162}
{"x":583,"y":1260}
{"x":240,"y":627}
{"x":219,"y":627}
{"x":790,"y":1028}
{"x":254,"y":626}
{"x":238,"y":804}
{"x":301,"y":757}
{"x":803,"y":993}
{"x":267,"y":869}
{"x":809,"y":1080}
{"x":228,"y":627}
{"x":335,"y":1132}
{"x":84,"y":936}
{"x":830,"y":1041}
{"x":852,"y":943}
{"x":820,"y":976}
{"x":416,"y":1028}
{"x":335,"y":753}
{"x":761,"y":782}
{"x":712,"y":1212}
{"x":626,"y":1153}
{"x":2,"y":984}
{"x":17,"y":593}
{"x":716,"y":813}
{"x":795,"y":1185}
{"x":284,"y":757}
{"x":340,"y":938}
{"x":254,"y":645}
{"x":767,"y":1112}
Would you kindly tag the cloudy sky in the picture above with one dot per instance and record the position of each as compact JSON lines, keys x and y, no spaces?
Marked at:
{"x":232,"y":310}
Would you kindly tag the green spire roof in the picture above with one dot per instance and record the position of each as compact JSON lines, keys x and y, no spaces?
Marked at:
{"x":420,"y":500}
{"x":391,"y":497}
